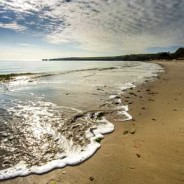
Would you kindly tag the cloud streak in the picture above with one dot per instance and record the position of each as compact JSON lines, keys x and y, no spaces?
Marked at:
{"x":112,"y":26}
{"x":25,"y":45}
{"x":13,"y":26}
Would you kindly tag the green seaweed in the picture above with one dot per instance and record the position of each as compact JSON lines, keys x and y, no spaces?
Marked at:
{"x":8,"y":77}
{"x":98,"y":139}
{"x":53,"y":182}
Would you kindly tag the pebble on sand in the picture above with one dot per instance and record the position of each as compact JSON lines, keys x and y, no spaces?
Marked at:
{"x":132,"y":131}
{"x":125,"y":132}
{"x":91,"y":178}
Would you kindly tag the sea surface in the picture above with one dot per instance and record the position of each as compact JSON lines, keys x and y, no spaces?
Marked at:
{"x":57,"y":114}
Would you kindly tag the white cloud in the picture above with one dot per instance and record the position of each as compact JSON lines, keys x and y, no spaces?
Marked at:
{"x":20,"y":5}
{"x":5,"y":17}
{"x":26,"y":44}
{"x":113,"y":26}
{"x":120,"y":26}
{"x":13,"y":26}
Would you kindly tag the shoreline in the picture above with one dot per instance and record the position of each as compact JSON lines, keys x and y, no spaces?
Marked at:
{"x":136,"y":160}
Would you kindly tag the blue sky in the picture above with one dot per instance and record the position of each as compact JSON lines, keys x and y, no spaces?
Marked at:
{"x":35,"y":29}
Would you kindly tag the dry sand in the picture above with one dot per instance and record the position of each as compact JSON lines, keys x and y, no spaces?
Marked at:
{"x":154,"y":150}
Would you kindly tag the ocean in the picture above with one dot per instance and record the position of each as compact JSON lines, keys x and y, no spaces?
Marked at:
{"x":54,"y":113}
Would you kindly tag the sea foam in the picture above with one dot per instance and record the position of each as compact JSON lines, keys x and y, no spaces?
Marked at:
{"x":71,"y":156}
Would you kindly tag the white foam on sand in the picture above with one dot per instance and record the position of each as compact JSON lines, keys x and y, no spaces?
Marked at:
{"x":73,"y":155}
{"x":72,"y":158}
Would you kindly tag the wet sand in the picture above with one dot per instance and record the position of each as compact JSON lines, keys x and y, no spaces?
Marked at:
{"x":147,"y":149}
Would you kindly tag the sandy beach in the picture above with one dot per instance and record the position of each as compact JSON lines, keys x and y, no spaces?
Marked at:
{"x":147,"y":149}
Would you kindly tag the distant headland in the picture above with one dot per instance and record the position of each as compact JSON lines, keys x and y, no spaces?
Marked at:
{"x":179,"y":54}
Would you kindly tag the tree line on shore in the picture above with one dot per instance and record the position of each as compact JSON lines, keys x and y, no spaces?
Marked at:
{"x":179,"y":54}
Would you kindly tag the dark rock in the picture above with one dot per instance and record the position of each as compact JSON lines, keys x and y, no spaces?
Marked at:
{"x":5,"y":163}
{"x":125,"y":132}
{"x":98,"y":139}
{"x":11,"y":138}
{"x":132,"y":131}
{"x":117,"y":97}
{"x":131,"y":167}
{"x":91,"y":178}
{"x":151,"y":100}
{"x":132,"y":93}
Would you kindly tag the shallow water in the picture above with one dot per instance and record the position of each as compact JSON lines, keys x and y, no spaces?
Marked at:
{"x":54,"y":117}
